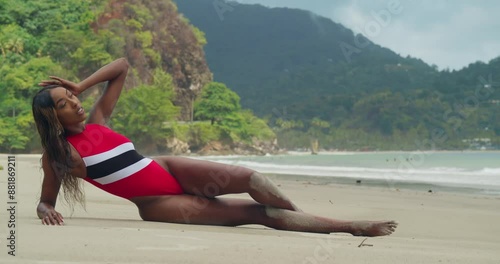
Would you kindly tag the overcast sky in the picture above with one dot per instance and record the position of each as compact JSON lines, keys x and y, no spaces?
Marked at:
{"x":448,"y":33}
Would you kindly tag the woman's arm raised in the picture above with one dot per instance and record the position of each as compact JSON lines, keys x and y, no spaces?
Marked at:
{"x":114,"y":73}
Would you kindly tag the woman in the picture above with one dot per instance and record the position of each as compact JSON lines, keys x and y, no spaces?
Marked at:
{"x":165,"y":189}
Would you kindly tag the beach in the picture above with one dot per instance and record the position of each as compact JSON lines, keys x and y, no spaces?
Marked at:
{"x":434,"y":227}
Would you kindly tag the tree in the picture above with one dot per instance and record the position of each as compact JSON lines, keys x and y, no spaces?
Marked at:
{"x":216,"y":103}
{"x":142,"y":112}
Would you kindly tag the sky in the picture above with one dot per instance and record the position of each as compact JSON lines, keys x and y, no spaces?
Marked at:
{"x":447,"y":33}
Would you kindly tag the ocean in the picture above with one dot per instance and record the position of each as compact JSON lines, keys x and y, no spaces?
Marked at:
{"x":474,"y":172}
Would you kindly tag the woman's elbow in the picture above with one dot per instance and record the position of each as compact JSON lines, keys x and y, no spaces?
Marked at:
{"x":124,"y":63}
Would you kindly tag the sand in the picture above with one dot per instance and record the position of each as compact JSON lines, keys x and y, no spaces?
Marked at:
{"x":434,"y":228}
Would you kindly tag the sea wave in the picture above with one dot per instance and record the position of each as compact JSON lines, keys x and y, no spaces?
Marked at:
{"x":438,"y":175}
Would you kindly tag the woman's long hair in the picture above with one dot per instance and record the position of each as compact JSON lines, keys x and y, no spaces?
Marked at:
{"x":55,"y":145}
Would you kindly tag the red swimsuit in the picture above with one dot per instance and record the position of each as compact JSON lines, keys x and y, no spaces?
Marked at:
{"x":114,"y":165}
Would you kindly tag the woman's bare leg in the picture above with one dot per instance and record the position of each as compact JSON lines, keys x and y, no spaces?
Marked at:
{"x":190,"y":209}
{"x":211,"y":179}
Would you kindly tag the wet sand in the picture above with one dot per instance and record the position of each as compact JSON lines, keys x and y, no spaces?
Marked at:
{"x":438,"y":227}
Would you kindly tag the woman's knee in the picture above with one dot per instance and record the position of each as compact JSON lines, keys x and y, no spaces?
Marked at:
{"x":258,"y":181}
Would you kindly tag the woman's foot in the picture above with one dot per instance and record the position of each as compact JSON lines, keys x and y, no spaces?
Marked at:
{"x":373,"y":228}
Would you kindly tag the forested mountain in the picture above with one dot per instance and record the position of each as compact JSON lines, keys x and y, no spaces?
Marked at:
{"x":314,"y":78}
{"x":297,"y":59}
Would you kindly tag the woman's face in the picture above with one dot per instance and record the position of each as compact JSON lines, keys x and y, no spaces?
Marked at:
{"x":68,"y":108}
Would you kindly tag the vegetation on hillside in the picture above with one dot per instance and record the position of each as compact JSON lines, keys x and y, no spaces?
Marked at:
{"x":74,"y":38}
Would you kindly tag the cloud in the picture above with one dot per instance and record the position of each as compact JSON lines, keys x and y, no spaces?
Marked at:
{"x":448,"y":33}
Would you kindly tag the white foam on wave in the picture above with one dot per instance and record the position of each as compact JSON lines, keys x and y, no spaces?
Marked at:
{"x":438,"y":175}
{"x":491,"y":171}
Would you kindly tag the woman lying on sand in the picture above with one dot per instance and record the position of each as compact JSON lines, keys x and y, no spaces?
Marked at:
{"x":165,"y":189}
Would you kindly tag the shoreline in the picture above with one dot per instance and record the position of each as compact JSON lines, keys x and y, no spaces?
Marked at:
{"x":349,"y":152}
{"x":380,"y":184}
{"x":392,"y":183}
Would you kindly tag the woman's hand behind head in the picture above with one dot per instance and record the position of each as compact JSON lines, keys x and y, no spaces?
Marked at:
{"x":71,"y":86}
